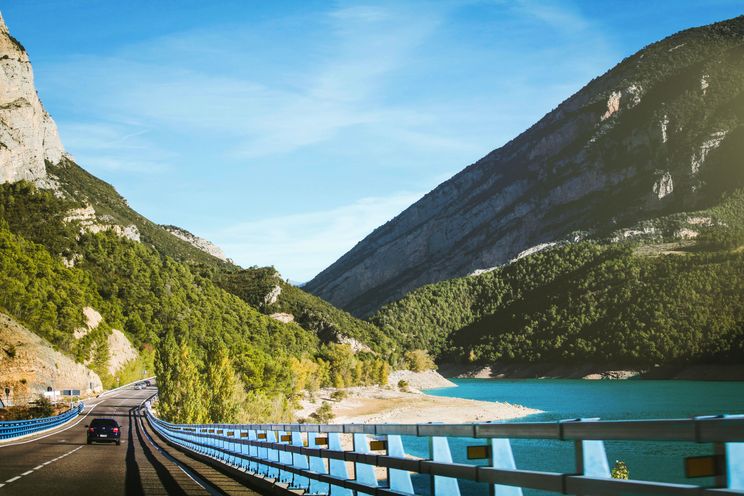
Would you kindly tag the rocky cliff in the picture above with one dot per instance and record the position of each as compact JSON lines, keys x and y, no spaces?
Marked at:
{"x":29,"y":364}
{"x":28,"y":136}
{"x":203,"y":244}
{"x":659,"y":133}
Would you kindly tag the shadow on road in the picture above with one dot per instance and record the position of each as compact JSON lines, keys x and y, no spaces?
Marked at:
{"x":132,"y":481}
{"x":169,"y":483}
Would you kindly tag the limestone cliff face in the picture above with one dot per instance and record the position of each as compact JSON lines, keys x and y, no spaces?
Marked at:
{"x":28,"y":135}
{"x":197,"y":242}
{"x":661,"y":132}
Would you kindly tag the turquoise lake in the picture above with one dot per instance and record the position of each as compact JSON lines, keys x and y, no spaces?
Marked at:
{"x":608,"y":400}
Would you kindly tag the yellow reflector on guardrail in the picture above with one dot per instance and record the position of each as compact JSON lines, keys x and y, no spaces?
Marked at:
{"x":285,"y":438}
{"x":703,"y":466}
{"x":321,"y":441}
{"x":230,"y":433}
{"x":243,"y":434}
{"x":479,"y":452}
{"x":378,"y":445}
{"x":261,"y":435}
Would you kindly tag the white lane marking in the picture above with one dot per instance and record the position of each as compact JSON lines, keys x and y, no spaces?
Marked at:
{"x":28,"y":472}
{"x":69,"y":427}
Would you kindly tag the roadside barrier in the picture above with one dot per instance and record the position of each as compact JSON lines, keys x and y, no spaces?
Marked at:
{"x":17,"y":428}
{"x":310,"y":457}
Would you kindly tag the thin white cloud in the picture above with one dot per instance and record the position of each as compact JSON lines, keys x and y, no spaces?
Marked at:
{"x":408,"y":91}
{"x":301,"y":245}
{"x":115,"y":147}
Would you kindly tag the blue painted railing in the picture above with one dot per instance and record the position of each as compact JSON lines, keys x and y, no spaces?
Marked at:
{"x":17,"y":428}
{"x":312,"y":458}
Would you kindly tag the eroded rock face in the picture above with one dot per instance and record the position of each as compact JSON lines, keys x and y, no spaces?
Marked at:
{"x":28,"y":135}
{"x":631,"y":145}
{"x":201,"y":243}
{"x":33,"y":365}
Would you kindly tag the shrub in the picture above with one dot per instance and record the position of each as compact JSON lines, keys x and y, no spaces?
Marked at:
{"x":324,"y":414}
{"x":419,"y":361}
{"x":620,"y":470}
{"x":339,"y":395}
{"x":43,"y":407}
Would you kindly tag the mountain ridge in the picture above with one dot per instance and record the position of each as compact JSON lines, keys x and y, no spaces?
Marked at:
{"x":649,"y":137}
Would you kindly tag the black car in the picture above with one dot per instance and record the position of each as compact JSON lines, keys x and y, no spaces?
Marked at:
{"x":104,"y":430}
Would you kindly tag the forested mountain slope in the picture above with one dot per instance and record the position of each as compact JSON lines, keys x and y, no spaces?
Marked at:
{"x":86,"y":272}
{"x":654,"y":301}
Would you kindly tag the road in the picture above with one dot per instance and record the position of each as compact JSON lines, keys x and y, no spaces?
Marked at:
{"x":62,"y":463}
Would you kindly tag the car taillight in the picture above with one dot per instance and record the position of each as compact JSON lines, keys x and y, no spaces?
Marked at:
{"x":91,"y":430}
{"x":116,"y":430}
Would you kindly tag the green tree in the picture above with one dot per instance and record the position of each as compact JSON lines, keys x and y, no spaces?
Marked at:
{"x":223,"y":388}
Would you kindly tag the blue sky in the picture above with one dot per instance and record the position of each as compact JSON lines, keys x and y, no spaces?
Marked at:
{"x":287,"y":131}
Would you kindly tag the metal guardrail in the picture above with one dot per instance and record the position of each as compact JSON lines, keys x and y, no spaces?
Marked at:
{"x":17,"y":428}
{"x":311,"y":457}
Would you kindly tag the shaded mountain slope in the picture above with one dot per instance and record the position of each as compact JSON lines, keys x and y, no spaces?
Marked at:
{"x":659,"y":133}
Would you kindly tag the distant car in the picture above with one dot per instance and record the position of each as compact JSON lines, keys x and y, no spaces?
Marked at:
{"x":139,"y":386}
{"x":104,"y":430}
{"x":148,"y":383}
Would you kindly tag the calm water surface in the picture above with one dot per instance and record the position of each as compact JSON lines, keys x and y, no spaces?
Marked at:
{"x":609,"y":400}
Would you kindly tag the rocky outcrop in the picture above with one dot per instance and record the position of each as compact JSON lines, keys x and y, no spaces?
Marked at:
{"x":29,"y":364}
{"x":120,"y":351}
{"x":428,"y":379}
{"x":28,"y":135}
{"x":655,"y":135}
{"x":89,"y":222}
{"x":282,"y":317}
{"x":200,"y":243}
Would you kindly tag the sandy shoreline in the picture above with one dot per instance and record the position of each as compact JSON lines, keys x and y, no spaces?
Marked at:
{"x":379,"y":405}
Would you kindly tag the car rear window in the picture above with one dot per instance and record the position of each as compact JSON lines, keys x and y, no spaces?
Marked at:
{"x":104,"y":423}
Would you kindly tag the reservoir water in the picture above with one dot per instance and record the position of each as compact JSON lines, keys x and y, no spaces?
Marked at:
{"x":608,"y":400}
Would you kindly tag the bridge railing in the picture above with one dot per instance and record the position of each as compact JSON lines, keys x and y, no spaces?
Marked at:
{"x":18,"y":428}
{"x":312,"y":457}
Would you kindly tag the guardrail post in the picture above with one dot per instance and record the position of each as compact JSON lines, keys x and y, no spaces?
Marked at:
{"x":591,"y":458}
{"x":273,"y":455}
{"x":316,"y":465}
{"x":363,"y":473}
{"x":231,"y":446}
{"x":285,"y":458}
{"x":253,"y":451}
{"x":263,"y":453}
{"x":400,"y":480}
{"x":337,"y":467}
{"x":440,"y":452}
{"x":734,"y":466}
{"x":501,"y":456}
{"x":299,"y":461}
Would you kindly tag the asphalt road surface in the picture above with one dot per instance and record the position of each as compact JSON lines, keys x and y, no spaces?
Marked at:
{"x":62,"y":463}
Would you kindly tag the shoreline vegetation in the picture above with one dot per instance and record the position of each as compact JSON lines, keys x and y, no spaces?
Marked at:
{"x":589,"y":371}
{"x":403,"y":401}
